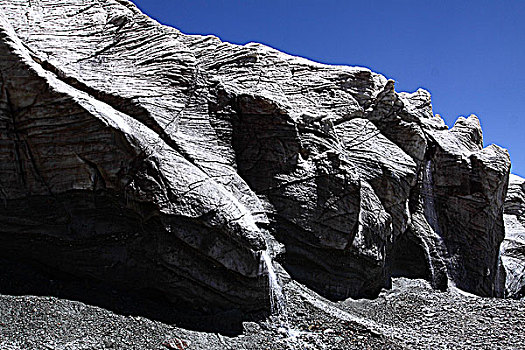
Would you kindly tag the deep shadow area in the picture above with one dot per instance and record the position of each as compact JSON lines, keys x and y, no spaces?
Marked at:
{"x":96,"y":248}
{"x":21,"y":277}
{"x":334,"y":274}
{"x":408,"y":259}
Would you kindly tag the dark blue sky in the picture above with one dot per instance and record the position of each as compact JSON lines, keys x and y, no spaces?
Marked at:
{"x":469,"y":54}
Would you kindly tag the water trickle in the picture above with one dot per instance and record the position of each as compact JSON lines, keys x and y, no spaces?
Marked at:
{"x":499,"y":288}
{"x":428,"y":196}
{"x":278,"y":305}
{"x":277,"y":299}
{"x":432,"y":219}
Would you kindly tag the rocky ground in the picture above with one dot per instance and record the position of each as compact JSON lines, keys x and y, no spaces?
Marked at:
{"x":410,"y":316}
{"x":424,"y":318}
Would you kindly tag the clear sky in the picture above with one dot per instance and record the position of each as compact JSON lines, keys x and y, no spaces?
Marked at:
{"x":469,"y":54}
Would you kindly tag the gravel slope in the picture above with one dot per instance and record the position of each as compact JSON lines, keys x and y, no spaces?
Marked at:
{"x":410,"y":316}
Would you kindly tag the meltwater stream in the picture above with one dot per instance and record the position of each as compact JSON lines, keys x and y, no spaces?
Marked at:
{"x":499,"y":285}
{"x":428,"y":198}
{"x":277,"y":299}
{"x":278,"y":305}
{"x":432,"y":219}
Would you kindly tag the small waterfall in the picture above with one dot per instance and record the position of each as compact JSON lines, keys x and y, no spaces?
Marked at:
{"x":278,"y":305}
{"x":428,"y":198}
{"x":432,"y":219}
{"x":277,"y":299}
{"x":499,"y":287}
